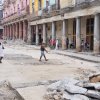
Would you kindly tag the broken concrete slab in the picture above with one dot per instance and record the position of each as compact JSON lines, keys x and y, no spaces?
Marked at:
{"x":9,"y":93}
{"x":67,"y":96}
{"x":60,"y":85}
{"x":75,"y":89}
{"x":94,"y":94}
{"x":79,"y":97}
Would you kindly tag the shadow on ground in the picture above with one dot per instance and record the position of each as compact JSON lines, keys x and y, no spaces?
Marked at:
{"x":19,"y":59}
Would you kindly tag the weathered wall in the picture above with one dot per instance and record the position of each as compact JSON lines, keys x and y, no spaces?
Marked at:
{"x":70,"y":30}
{"x":51,"y":2}
{"x":13,"y":8}
{"x":59,"y":30}
{"x":36,"y":6}
{"x":30,"y":4}
{"x":65,"y":3}
{"x":83,"y":28}
{"x":49,"y":29}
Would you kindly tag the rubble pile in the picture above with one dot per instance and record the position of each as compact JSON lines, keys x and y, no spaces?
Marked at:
{"x":8,"y":93}
{"x":72,"y":89}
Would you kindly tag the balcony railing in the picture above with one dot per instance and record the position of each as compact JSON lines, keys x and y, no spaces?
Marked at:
{"x":77,"y":2}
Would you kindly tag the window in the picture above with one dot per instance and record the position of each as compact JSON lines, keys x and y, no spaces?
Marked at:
{"x":90,"y":32}
{"x":90,"y":26}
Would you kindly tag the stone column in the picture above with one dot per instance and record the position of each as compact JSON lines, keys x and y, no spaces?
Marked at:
{"x":20,"y":30}
{"x":78,"y":34}
{"x":10,"y":31}
{"x":37,"y":35}
{"x":7,"y":32}
{"x":14,"y":31}
{"x":97,"y":34}
{"x":64,"y":35}
{"x":53,"y":31}
{"x":29,"y":39}
{"x":4,"y":32}
{"x":24,"y":31}
{"x":44,"y":33}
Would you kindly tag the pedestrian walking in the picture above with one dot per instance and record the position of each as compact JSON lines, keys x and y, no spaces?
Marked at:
{"x":67,"y":43}
{"x":57,"y":44}
{"x":43,"y":52}
{"x":1,"y":52}
{"x":87,"y":46}
{"x":82,"y":45}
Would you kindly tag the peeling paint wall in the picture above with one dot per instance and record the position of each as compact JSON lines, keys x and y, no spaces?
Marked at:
{"x":65,"y":3}
{"x":17,"y":7}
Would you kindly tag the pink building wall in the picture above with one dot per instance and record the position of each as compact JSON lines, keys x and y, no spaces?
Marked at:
{"x":17,"y":7}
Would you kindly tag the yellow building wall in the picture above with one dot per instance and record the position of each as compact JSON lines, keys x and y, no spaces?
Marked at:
{"x":43,"y":3}
{"x":30,"y":6}
{"x":36,"y":6}
{"x":65,"y":3}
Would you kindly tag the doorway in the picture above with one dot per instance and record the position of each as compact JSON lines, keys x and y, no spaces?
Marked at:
{"x":90,"y":32}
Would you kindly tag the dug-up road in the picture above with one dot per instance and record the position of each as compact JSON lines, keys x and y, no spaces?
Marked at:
{"x":22,"y":68}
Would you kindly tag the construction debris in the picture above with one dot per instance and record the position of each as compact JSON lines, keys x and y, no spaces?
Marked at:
{"x":72,"y":89}
{"x":8,"y":93}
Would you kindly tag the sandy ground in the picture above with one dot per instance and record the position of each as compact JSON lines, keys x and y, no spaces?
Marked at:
{"x":21,"y":65}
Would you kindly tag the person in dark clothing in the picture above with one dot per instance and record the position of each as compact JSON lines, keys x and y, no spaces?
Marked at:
{"x":67,"y":43}
{"x":42,"y":52}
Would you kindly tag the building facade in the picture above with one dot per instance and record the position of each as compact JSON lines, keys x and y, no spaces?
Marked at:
{"x":72,"y":20}
{"x":15,"y":19}
{"x":75,"y":20}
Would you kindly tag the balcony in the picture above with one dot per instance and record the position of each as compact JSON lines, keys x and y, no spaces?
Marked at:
{"x":50,"y":11}
{"x":33,"y":17}
{"x":82,"y":3}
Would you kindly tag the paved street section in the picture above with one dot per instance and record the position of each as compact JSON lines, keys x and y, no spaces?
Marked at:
{"x":21,"y":66}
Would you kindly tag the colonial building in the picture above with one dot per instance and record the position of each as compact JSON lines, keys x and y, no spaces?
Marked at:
{"x":76,"y":20}
{"x":15,"y":19}
{"x":72,"y":20}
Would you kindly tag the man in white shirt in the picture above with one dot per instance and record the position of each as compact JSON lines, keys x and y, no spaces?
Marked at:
{"x":1,"y":53}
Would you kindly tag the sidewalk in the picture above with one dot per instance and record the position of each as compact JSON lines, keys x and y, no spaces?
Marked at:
{"x":86,"y":56}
